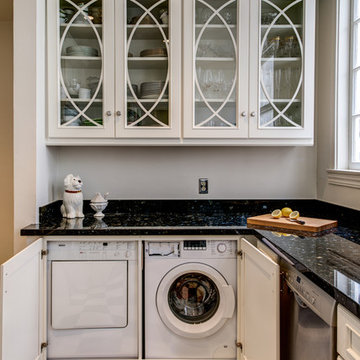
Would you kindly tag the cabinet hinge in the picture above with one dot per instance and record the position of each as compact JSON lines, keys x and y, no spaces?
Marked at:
{"x":239,"y":345}
{"x":240,"y":253}
{"x":44,"y":253}
{"x":43,"y":346}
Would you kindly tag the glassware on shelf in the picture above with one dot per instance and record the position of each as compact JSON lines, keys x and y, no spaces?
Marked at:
{"x":287,"y":84}
{"x":228,"y":16}
{"x":74,"y":87}
{"x":272,"y":48}
{"x":277,"y":83}
{"x":205,"y":15}
{"x":95,"y":14}
{"x":267,"y":17}
{"x":291,"y":47}
{"x":207,"y":49}
{"x":66,"y":14}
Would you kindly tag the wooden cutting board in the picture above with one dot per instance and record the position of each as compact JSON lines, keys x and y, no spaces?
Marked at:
{"x":311,"y":224}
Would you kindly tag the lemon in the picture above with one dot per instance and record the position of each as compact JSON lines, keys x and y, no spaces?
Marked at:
{"x":286,"y":211}
{"x":294,"y":215}
{"x":276,"y":214}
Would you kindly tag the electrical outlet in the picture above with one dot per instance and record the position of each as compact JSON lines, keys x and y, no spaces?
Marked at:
{"x":203,"y":186}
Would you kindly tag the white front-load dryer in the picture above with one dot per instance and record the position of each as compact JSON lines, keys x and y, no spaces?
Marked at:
{"x":92,"y":299}
{"x":190,"y":299}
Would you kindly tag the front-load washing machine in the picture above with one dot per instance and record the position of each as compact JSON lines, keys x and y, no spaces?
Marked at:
{"x":190,"y":299}
{"x":92,"y":298}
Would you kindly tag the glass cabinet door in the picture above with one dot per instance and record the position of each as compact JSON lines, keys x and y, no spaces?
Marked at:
{"x":211,"y":68}
{"x":151,"y":68}
{"x":281,"y":71}
{"x":80,"y":79}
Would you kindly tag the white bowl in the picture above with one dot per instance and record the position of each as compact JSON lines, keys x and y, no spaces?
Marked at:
{"x":99,"y":207}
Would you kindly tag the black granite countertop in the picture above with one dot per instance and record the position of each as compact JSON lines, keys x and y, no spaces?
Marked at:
{"x":330,"y":259}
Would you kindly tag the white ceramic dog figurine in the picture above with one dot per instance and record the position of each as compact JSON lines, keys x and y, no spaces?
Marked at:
{"x":72,"y":206}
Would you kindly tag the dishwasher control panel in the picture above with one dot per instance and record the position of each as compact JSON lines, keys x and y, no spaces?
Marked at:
{"x":310,"y":294}
{"x":92,"y":250}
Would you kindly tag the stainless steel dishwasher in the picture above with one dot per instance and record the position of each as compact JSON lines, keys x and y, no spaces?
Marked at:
{"x":308,"y":319}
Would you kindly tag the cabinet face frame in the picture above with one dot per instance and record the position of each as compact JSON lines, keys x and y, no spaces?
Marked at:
{"x":53,"y":72}
{"x":189,"y":68}
{"x":122,"y":130}
{"x":308,"y":86}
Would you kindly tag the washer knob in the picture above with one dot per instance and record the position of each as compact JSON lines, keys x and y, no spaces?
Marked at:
{"x":221,"y":248}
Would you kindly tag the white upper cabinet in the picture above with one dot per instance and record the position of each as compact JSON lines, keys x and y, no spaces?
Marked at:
{"x":80,"y":68}
{"x":215,"y":85}
{"x":148,"y":68}
{"x":114,"y":68}
{"x":281,"y":71}
{"x":249,"y":69}
{"x":172,"y":71}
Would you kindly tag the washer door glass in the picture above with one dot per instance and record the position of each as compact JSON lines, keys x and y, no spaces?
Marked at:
{"x":193,"y":298}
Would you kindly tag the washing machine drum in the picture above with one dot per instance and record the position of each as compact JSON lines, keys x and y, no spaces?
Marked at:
{"x":194,"y":300}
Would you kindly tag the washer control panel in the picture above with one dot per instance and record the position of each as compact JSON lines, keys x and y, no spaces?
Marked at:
{"x":191,"y":249}
{"x":194,"y":245}
{"x":92,"y":250}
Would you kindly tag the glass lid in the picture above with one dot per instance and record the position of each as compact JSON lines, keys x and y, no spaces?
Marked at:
{"x":193,"y":298}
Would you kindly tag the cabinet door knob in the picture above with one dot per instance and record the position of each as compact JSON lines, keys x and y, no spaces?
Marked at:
{"x":108,"y":113}
{"x":243,"y":114}
{"x":253,"y":114}
{"x":118,"y":113}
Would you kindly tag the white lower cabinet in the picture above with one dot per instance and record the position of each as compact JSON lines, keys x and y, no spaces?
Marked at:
{"x":258,"y":302}
{"x":348,"y":335}
{"x":22,"y":305}
{"x":100,"y":306}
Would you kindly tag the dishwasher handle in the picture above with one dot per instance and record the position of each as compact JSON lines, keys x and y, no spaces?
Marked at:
{"x":300,"y":301}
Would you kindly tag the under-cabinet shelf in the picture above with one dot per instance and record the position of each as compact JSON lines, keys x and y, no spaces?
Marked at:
{"x":147,"y":62}
{"x":82,"y":100}
{"x":280,"y":100}
{"x":148,"y":101}
{"x":279,"y":26}
{"x":81,"y":31}
{"x":215,"y":26}
{"x":146,"y":32}
{"x":216,"y":59}
{"x":280,"y":59}
{"x":215,"y":101}
{"x":85,"y":62}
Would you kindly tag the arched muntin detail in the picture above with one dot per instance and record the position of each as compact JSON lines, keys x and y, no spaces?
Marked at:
{"x":80,"y":10}
{"x":281,"y":113}
{"x":147,"y":11}
{"x":215,"y":113}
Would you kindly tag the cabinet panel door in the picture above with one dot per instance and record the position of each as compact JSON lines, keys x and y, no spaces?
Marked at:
{"x":348,"y":334}
{"x":282,"y":68}
{"x":148,"y":68}
{"x":21,"y":305}
{"x":259,"y":305}
{"x":215,"y":68}
{"x":80,"y":68}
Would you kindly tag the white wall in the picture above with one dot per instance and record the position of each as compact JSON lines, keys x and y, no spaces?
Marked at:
{"x":6,"y":141}
{"x":33,"y":167}
{"x":326,"y":81}
{"x":172,"y":173}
